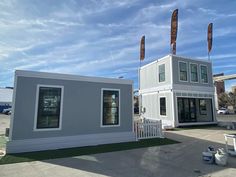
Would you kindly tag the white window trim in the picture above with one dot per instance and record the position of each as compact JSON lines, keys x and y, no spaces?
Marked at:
{"x":36,"y":108}
{"x":101,"y":122}
{"x":159,"y":73}
{"x":179,"y":70}
{"x":160,"y":106}
{"x":201,"y":74}
{"x":191,"y":72}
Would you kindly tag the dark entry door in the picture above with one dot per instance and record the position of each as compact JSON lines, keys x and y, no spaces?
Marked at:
{"x":186,"y":110}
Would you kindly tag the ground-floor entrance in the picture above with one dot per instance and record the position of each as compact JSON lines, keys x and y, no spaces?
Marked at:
{"x":194,"y":109}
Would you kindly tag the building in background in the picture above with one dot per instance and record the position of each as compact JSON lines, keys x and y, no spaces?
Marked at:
{"x":233,"y":89}
{"x":220,"y":85}
{"x":178,"y":90}
{"x":5,"y":98}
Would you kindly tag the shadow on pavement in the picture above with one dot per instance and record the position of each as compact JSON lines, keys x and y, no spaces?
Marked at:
{"x":179,"y":160}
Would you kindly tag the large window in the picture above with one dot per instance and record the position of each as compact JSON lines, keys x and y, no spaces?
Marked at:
{"x":202,"y":107}
{"x":49,"y":107}
{"x":183,"y":74}
{"x":163,"y":106}
{"x":204,"y":77}
{"x":110,"y":107}
{"x":162,"y":73}
{"x":194,"y":73}
{"x":186,"y":110}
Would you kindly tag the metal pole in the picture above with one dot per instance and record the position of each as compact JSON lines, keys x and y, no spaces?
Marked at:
{"x":139,"y":87}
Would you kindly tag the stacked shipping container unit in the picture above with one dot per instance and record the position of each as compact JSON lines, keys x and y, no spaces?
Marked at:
{"x":177,"y":90}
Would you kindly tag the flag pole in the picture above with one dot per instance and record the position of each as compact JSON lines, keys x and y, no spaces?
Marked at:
{"x":142,"y":56}
{"x":139,"y":74}
{"x":139,"y":97}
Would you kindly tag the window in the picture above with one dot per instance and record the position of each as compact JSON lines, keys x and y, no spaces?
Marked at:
{"x":163,"y":106}
{"x":202,"y":107}
{"x":49,"y":107}
{"x":110,"y":107}
{"x":162,"y":73}
{"x":194,"y":73}
{"x":186,"y":109}
{"x":204,"y":77}
{"x":183,"y":71}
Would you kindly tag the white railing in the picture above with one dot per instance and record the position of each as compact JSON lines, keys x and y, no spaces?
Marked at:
{"x":146,"y":128}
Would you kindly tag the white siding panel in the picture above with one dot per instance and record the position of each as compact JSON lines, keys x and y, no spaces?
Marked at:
{"x":167,"y":120}
{"x":148,"y":76}
{"x":149,"y":102}
{"x":167,"y":63}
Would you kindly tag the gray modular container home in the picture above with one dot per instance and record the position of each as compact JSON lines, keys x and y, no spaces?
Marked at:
{"x":52,"y":111}
{"x":178,"y":90}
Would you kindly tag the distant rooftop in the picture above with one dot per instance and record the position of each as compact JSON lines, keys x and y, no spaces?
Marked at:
{"x":6,"y":95}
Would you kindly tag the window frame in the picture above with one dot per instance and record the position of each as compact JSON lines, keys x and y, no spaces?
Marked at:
{"x":180,"y":71}
{"x":162,"y":73}
{"x":101,"y":116}
{"x":190,"y":73}
{"x":160,"y":106}
{"x":201,"y":74}
{"x":36,"y":108}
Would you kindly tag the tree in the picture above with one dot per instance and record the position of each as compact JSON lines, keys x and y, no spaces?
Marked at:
{"x":232,"y":99}
{"x":227,"y":99}
{"x":223,"y":100}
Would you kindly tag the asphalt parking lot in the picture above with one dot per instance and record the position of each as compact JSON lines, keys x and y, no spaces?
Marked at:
{"x":182,"y":159}
{"x":179,"y":160}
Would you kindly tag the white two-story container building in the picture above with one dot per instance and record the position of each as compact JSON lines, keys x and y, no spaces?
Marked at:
{"x":177,"y":90}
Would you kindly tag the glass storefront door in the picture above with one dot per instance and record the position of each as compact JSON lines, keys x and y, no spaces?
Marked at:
{"x":186,"y":110}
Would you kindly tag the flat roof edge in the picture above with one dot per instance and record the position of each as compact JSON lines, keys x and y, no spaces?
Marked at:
{"x":175,"y":56}
{"x":195,"y":59}
{"x":155,"y":61}
{"x":59,"y":76}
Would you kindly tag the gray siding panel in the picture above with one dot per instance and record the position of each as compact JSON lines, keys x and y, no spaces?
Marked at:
{"x":81,"y":108}
{"x":175,"y":65}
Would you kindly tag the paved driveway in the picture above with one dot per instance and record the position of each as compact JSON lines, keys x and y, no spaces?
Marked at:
{"x":178,"y":160}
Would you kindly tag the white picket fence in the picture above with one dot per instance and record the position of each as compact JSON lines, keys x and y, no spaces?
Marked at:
{"x":147,"y":128}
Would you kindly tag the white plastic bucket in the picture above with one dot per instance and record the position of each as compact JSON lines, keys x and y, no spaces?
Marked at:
{"x":208,"y":157}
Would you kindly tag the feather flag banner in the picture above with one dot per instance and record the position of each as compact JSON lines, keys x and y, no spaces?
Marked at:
{"x":174,"y":30}
{"x":209,"y":37}
{"x":174,"y":26}
{"x":142,"y":48}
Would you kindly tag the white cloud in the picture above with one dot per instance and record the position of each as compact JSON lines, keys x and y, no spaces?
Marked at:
{"x":216,"y":13}
{"x":90,"y":38}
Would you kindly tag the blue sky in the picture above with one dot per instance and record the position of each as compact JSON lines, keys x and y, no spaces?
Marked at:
{"x":101,"y":37}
